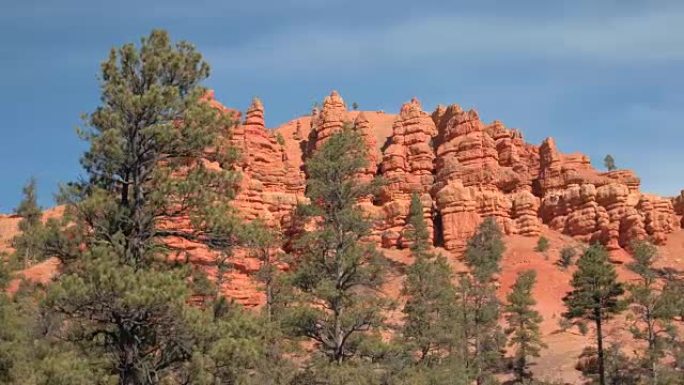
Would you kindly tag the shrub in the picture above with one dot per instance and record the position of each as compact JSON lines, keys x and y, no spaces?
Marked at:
{"x":567,"y":254}
{"x":542,"y":244}
{"x":280,"y":139}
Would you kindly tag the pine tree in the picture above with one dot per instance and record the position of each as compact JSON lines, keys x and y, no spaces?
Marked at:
{"x":417,"y":232}
{"x":478,"y":306}
{"x":652,"y":308}
{"x":672,"y":298}
{"x":609,"y":162}
{"x":151,"y":144}
{"x":337,"y":273}
{"x":485,"y":250}
{"x":30,"y":353}
{"x":523,"y":322}
{"x":28,"y":244}
{"x":264,"y":243}
{"x":151,"y":178}
{"x":429,"y":327}
{"x":595,"y":295}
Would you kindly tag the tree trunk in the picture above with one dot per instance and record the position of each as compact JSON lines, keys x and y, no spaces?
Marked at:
{"x":652,"y":358}
{"x":127,"y":375}
{"x":599,"y":343}
{"x":269,"y":285}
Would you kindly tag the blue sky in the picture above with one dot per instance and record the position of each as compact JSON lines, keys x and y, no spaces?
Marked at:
{"x":599,"y":76}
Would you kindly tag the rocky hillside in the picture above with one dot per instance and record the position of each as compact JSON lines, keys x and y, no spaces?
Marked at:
{"x":464,"y":169}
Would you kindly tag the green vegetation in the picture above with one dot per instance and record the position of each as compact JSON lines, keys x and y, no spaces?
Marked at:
{"x":542,"y":244}
{"x":337,"y":273}
{"x":653,"y":308}
{"x":567,"y":256}
{"x":430,"y":327}
{"x":523,"y":322}
{"x":129,"y":314}
{"x":595,"y":296}
{"x":280,"y":139}
{"x":609,"y":163}
{"x":28,"y":245}
{"x":479,"y":309}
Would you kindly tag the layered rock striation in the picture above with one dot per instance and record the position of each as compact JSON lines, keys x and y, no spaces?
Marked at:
{"x":408,"y":168}
{"x":463,"y":169}
{"x":270,"y":186}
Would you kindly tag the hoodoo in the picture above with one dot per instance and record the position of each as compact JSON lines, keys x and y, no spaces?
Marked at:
{"x":463,"y":169}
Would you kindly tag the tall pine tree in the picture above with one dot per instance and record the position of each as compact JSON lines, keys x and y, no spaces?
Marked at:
{"x":653,"y":309}
{"x":156,"y":171}
{"x":479,"y":309}
{"x":594,"y":296}
{"x":28,"y":245}
{"x":264,"y":243}
{"x":337,"y":273}
{"x":429,"y":328}
{"x":417,"y":232}
{"x":523,"y":322}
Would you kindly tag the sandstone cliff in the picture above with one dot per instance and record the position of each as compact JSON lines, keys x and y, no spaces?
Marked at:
{"x":463,"y":169}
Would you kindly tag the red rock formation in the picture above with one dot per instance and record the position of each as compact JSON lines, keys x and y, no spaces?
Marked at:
{"x":463,"y":169}
{"x":407,"y":166}
{"x":483,"y":171}
{"x":659,"y":217}
{"x":270,"y":186}
{"x":592,"y":206}
{"x":330,"y":120}
{"x":363,"y":126}
{"x":678,"y":205}
{"x":525,"y":213}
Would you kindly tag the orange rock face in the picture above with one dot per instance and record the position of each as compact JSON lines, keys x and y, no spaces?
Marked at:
{"x":270,"y":185}
{"x":483,"y":171}
{"x":329,"y":120}
{"x":408,"y":167}
{"x":604,"y":207}
{"x":465,"y":170}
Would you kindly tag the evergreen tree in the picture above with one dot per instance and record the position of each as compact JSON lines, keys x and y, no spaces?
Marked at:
{"x":673,"y":296}
{"x":264,"y":243}
{"x":619,"y":369}
{"x":609,"y":162}
{"x":28,"y":245}
{"x":429,"y":327}
{"x":652,"y":308}
{"x":485,"y":250}
{"x":523,"y":322}
{"x":594,"y":296}
{"x":30,"y":353}
{"x":228,"y":348}
{"x":151,"y":144}
{"x":478,"y":306}
{"x":337,"y":273}
{"x":417,"y":232}
{"x":152,"y":178}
